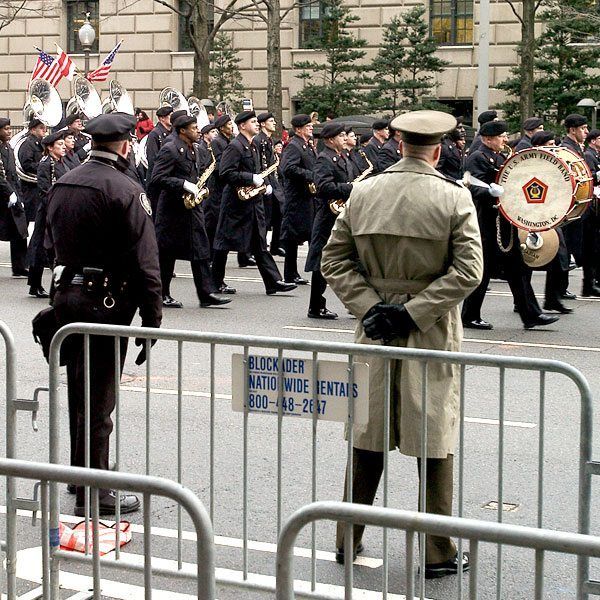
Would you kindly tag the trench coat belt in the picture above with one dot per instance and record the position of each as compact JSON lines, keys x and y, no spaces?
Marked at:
{"x":399,"y":286}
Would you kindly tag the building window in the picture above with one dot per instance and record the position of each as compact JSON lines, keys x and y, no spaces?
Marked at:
{"x":451,"y":21}
{"x":311,"y":22}
{"x":76,"y":10}
{"x":185,"y":42}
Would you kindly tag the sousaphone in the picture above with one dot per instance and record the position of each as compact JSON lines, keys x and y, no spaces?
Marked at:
{"x":86,"y":100}
{"x":198,"y":110}
{"x":223,"y":108}
{"x":118,"y":100}
{"x":173,"y":98}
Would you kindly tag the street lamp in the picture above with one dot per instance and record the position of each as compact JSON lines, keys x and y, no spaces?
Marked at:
{"x":590,"y":103}
{"x":87,"y":36}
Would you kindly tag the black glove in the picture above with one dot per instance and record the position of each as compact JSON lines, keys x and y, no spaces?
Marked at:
{"x":141,"y":357}
{"x":387,"y":322}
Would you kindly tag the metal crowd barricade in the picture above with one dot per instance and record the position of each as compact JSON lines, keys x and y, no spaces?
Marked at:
{"x":51,"y":475}
{"x":350,"y":352}
{"x":542,"y":540}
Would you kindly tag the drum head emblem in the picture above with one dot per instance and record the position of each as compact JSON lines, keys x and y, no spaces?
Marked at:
{"x":535,"y":191}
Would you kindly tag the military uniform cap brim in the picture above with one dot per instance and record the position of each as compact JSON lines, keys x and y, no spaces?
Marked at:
{"x":424,"y":127}
{"x":112,"y":127}
{"x":244,"y":116}
{"x":222,"y":120}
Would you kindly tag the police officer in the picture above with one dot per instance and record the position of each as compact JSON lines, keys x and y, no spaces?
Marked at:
{"x":390,"y":154}
{"x":242,"y":226}
{"x":332,"y":174}
{"x":100,"y":231}
{"x":415,"y":235}
{"x":51,"y":168}
{"x":297,"y":165}
{"x":373,"y":147}
{"x":180,"y":229}
{"x":13,"y":223}
{"x":29,"y":154}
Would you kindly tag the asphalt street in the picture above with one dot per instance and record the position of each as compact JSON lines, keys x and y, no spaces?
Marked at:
{"x":574,"y":339}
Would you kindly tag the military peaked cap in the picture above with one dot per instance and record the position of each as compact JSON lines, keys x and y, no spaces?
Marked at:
{"x":424,"y":127}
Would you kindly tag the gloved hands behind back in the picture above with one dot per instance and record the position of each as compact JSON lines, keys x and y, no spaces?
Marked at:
{"x":387,"y":322}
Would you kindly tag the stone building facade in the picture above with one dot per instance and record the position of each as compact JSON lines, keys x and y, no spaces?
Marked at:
{"x":152,"y":56}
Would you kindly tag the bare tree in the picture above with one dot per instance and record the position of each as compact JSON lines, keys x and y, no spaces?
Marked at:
{"x":13,"y":9}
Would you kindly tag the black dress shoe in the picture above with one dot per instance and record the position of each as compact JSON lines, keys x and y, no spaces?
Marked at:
{"x":448,"y":567}
{"x":277,"y":252}
{"x":339,"y":553}
{"x":214,"y":300}
{"x":20,"y":273}
{"x":540,"y":320}
{"x":225,"y":289}
{"x":249,"y":262}
{"x":593,"y":291}
{"x":558,"y":307}
{"x":298,"y":281}
{"x":477,"y":324}
{"x":171,"y":302}
{"x":324,"y":313}
{"x":281,"y":286}
{"x":567,"y":295}
{"x":107,"y":505}
{"x":38,"y":292}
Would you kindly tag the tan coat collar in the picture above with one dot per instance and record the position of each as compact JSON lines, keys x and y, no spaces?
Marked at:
{"x":414,"y":165}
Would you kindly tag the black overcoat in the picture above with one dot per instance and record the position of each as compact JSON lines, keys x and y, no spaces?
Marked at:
{"x":9,"y":184}
{"x":239,"y":218}
{"x":180,"y":231}
{"x":297,"y":164}
{"x":372,"y":149}
{"x":574,"y":229}
{"x":267,"y":157}
{"x":216,"y":184}
{"x":451,"y":161}
{"x":332,"y":174}
{"x":389,"y":154}
{"x":30,"y":153}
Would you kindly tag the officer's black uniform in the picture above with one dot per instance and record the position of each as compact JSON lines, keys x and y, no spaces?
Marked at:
{"x":357,"y":162}
{"x":242,"y":225}
{"x":591,"y":232}
{"x":180,"y":231}
{"x":30,"y":153}
{"x":9,"y":231}
{"x":297,"y":165}
{"x":389,"y":154}
{"x":451,"y":160}
{"x":99,"y":228}
{"x":332,"y":174}
{"x":372,"y":150}
{"x":49,"y":171}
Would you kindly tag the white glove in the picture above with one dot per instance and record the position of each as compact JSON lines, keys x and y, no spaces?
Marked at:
{"x":496,"y":190}
{"x":597,"y":191}
{"x":257,"y":180}
{"x":269,"y":190}
{"x":87,"y":147}
{"x":190,"y":187}
{"x":12,"y":200}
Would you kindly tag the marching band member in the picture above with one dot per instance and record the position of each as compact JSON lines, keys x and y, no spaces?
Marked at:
{"x":29,"y":155}
{"x":530,"y":127}
{"x":71,"y":158}
{"x":373,"y":147}
{"x":83,"y":143}
{"x":156,"y":138}
{"x":451,"y":159}
{"x":485,"y":117}
{"x":591,"y":222}
{"x":390,"y":153}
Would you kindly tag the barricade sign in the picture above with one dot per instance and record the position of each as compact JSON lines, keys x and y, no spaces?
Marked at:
{"x":297,"y":397}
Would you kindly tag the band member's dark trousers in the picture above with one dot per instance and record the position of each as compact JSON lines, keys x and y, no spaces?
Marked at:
{"x":18,"y":251}
{"x":591,"y":248}
{"x":290,"y":264}
{"x":471,"y":310}
{"x":34,"y":279}
{"x":518,"y":275}
{"x":200,"y":271}
{"x":318,"y":285}
{"x":367,"y":471}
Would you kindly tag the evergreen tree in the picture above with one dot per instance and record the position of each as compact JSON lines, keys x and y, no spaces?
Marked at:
{"x":405,"y":64}
{"x":564,"y":72}
{"x":225,"y":76}
{"x":336,"y":84}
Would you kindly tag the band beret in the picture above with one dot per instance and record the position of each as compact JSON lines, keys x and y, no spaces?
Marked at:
{"x":72,"y":118}
{"x":183,"y":121}
{"x":222,"y":120}
{"x":541,"y":138}
{"x":61,"y":134}
{"x":532,"y":123}
{"x":574,"y":120}
{"x":331,"y":129}
{"x":112,"y":127}
{"x":34,"y":123}
{"x":164,"y":111}
{"x":244,"y":116}
{"x":4,"y":122}
{"x":208,"y":128}
{"x":592,"y":135}
{"x":364,"y":138}
{"x":424,"y":127}
{"x":265,"y":117}
{"x":300,"y":120}
{"x":349,"y":129}
{"x":176,"y":114}
{"x":379,"y":125}
{"x":492,"y":128}
{"x":486,"y":116}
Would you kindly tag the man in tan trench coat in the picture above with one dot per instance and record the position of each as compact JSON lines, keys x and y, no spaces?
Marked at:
{"x":415,"y":236}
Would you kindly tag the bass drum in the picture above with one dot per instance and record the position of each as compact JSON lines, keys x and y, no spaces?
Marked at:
{"x":544,"y":187}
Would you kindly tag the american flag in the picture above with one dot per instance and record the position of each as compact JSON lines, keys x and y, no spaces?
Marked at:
{"x":101,"y":73}
{"x":47,"y":68}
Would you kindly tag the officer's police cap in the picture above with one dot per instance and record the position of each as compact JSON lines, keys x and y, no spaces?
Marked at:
{"x":532,"y":123}
{"x":300,"y":120}
{"x":592,"y":135}
{"x":424,"y":127}
{"x":244,"y":116}
{"x":265,"y":117}
{"x":164,"y":111}
{"x":379,"y":125}
{"x":486,"y":116}
{"x":331,"y":129}
{"x":493,"y":128}
{"x":4,"y":122}
{"x":72,"y":118}
{"x":183,"y":122}
{"x":541,"y":138}
{"x":222,"y":121}
{"x":574,"y":120}
{"x":208,"y":128}
{"x":34,"y":123}
{"x":54,"y":137}
{"x":112,"y":127}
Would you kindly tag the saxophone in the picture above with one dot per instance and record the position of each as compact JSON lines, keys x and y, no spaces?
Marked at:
{"x":248,"y":192}
{"x":190,"y":200}
{"x":336,"y":206}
